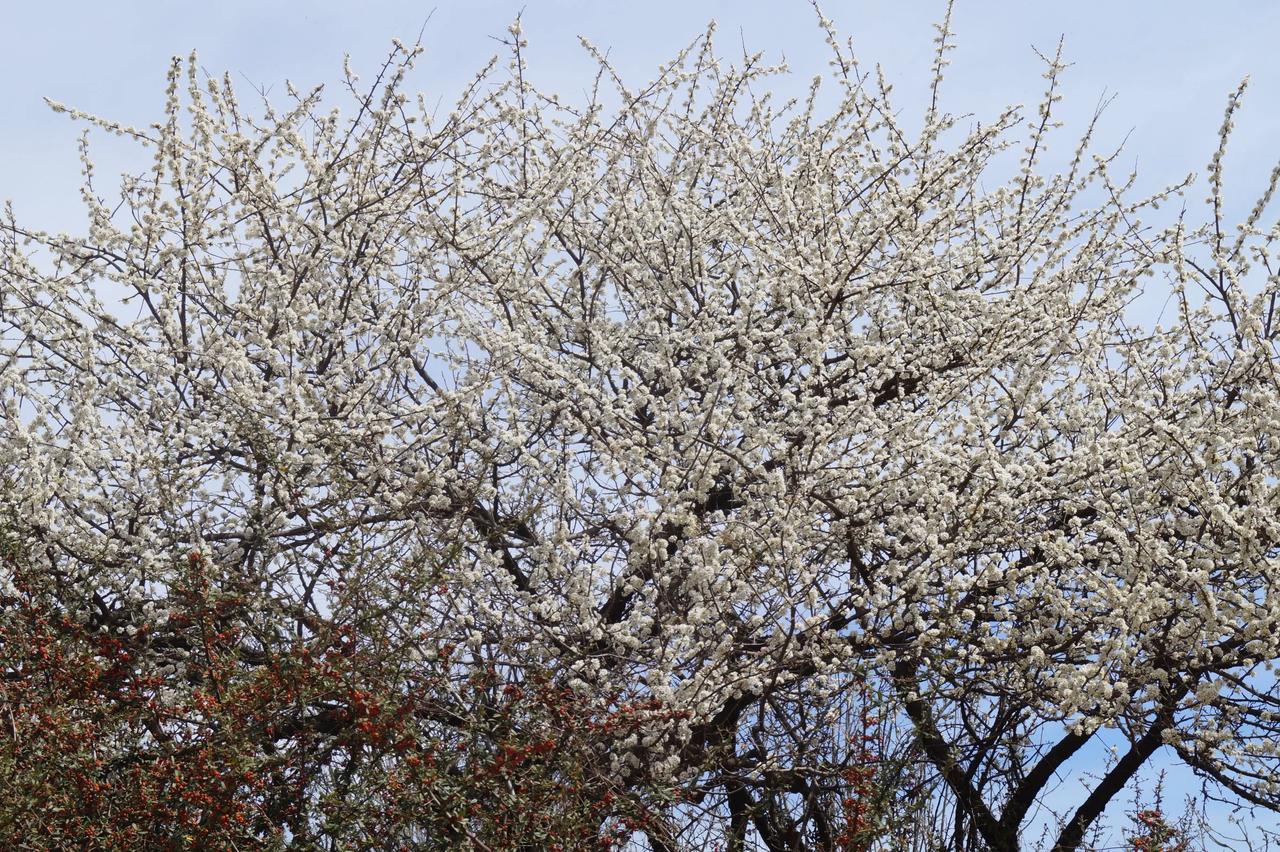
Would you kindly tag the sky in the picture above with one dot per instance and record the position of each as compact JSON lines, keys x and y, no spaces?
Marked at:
{"x":1170,"y":65}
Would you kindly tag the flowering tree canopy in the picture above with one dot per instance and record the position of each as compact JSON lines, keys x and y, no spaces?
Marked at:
{"x":631,"y":457}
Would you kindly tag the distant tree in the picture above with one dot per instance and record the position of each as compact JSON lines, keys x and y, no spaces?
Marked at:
{"x":680,"y":468}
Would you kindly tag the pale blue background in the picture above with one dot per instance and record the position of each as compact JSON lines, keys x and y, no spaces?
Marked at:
{"x":1171,"y":64}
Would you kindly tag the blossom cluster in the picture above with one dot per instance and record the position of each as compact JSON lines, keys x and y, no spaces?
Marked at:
{"x":716,"y":408}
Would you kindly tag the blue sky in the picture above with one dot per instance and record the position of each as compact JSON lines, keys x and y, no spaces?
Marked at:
{"x":1170,"y":65}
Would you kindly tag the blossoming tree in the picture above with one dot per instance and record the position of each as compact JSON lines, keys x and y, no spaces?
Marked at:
{"x":644,"y":462}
